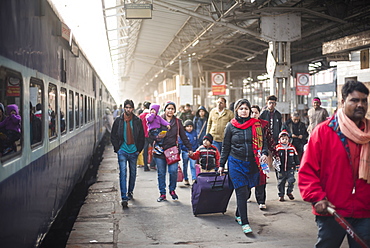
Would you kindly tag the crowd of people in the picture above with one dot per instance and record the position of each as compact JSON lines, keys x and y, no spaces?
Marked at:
{"x":330,"y":154}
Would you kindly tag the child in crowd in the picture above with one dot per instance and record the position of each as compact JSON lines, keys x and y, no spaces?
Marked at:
{"x":11,"y":127}
{"x":192,"y":136}
{"x":289,"y":160}
{"x":208,"y":155}
{"x":155,"y":125}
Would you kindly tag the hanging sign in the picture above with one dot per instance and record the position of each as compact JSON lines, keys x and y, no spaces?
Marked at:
{"x":218,"y":83}
{"x":13,"y":87}
{"x":303,"y":86}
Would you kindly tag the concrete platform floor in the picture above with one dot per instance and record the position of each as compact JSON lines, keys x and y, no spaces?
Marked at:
{"x":102,"y":222}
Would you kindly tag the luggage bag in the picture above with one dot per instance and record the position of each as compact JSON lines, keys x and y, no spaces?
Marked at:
{"x":210,"y":193}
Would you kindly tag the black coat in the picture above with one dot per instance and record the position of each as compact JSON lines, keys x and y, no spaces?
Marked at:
{"x":277,"y":123}
{"x":116,"y":135}
{"x":238,"y":143}
{"x":300,"y":128}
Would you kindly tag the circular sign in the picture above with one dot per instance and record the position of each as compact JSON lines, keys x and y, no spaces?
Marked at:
{"x":218,"y":79}
{"x":303,"y":79}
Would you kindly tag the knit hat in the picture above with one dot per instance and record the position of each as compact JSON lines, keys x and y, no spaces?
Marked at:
{"x":208,"y":137}
{"x":155,"y":107}
{"x":11,"y":107}
{"x":188,"y":123}
{"x":170,"y":103}
{"x":283,"y":132}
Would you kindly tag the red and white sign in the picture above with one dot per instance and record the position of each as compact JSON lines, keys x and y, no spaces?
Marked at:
{"x":303,"y":84}
{"x":218,"y":83}
{"x":66,"y":32}
{"x":13,"y":87}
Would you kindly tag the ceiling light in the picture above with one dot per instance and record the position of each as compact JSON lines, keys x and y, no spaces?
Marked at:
{"x":195,"y":43}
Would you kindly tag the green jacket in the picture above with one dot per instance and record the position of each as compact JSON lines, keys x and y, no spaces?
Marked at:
{"x":217,"y":123}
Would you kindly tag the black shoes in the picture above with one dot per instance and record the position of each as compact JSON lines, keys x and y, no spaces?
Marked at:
{"x":291,"y":197}
{"x":130,"y":195}
{"x":124,"y":204}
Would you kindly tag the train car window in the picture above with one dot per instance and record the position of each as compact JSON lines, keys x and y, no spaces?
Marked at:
{"x":76,"y":110}
{"x":81,"y":109}
{"x":70,"y":119}
{"x":63,"y":110}
{"x":85,"y":110}
{"x":89,"y":109}
{"x":36,"y":117}
{"x":52,"y":111}
{"x":11,"y":114}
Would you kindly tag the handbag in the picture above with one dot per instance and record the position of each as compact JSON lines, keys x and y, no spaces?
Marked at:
{"x":180,"y":175}
{"x":172,"y":154}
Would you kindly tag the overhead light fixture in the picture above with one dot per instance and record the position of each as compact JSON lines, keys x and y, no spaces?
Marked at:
{"x":229,"y":65}
{"x":251,"y":57}
{"x":195,"y":43}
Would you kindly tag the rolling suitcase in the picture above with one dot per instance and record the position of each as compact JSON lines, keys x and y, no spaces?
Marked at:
{"x":210,"y":193}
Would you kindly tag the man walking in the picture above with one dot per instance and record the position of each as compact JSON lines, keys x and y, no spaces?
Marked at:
{"x":335,"y":169}
{"x":128,"y":140}
{"x":316,"y":114}
{"x":273,"y":116}
{"x":217,"y":120}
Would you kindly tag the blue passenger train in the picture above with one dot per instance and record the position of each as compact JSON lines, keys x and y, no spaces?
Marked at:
{"x":46,"y":74}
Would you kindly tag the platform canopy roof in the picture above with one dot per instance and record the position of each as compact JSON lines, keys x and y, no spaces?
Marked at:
{"x":222,"y":35}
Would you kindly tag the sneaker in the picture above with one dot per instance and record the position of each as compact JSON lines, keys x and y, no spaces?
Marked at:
{"x":130,"y":195}
{"x":238,"y":219}
{"x":291,"y":197}
{"x":262,"y":206}
{"x":246,"y":228}
{"x":186,"y":182}
{"x":124,"y":204}
{"x":174,"y":196}
{"x":162,"y":198}
{"x":281,"y":198}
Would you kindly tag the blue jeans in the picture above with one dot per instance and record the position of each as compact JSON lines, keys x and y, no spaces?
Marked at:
{"x":218,"y":145}
{"x":185,"y":162}
{"x":331,"y":234}
{"x":161,"y":171}
{"x":123,"y":158}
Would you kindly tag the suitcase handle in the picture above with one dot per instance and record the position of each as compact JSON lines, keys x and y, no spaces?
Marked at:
{"x":218,"y":187}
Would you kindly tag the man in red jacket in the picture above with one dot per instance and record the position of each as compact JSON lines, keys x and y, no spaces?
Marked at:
{"x":335,"y":169}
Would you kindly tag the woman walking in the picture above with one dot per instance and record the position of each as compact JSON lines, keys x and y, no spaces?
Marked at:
{"x":244,"y":146}
{"x":170,"y":139}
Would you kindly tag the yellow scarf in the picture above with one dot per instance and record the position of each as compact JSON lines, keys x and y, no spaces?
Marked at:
{"x":352,"y":132}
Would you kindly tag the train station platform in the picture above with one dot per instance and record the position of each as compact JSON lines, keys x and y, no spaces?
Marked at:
{"x":103,"y":223}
